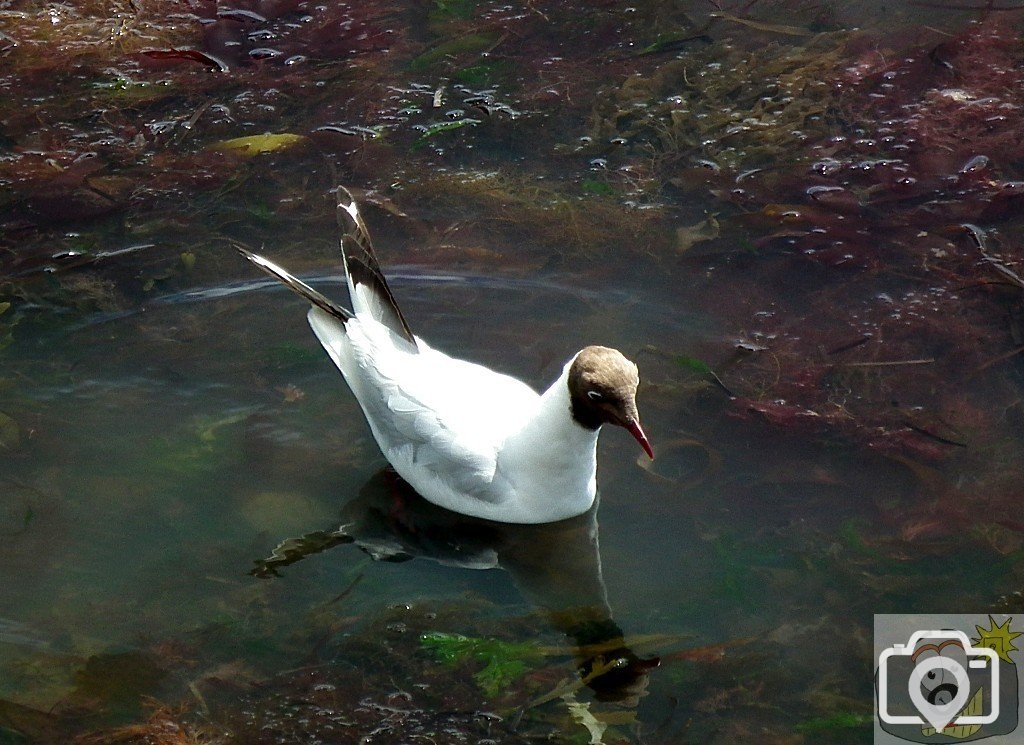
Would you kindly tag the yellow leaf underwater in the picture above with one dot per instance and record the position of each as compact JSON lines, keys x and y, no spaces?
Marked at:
{"x":256,"y":144}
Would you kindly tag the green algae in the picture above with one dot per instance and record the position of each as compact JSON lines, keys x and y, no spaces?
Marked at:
{"x":457,"y":48}
{"x":503,"y":662}
{"x":436,"y":128}
{"x":842,"y":720}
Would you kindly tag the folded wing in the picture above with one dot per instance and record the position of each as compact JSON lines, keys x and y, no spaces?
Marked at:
{"x":438,"y":420}
{"x":367,"y":286}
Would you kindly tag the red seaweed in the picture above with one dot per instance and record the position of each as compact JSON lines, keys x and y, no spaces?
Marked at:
{"x":192,"y":55}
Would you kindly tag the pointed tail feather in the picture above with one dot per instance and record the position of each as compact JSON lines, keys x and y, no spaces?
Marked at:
{"x":297,"y":285}
{"x":366,"y":284}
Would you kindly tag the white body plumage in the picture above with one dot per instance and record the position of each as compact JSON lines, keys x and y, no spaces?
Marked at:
{"x":465,"y":437}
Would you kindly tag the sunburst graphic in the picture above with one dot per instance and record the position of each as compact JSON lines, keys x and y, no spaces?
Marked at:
{"x":998,"y":638}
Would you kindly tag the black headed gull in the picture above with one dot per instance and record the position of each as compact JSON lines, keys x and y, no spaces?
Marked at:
{"x":465,"y":437}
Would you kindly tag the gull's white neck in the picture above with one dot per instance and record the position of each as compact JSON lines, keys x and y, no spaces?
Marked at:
{"x":552,"y":459}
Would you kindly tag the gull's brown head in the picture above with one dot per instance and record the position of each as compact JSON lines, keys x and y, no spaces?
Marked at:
{"x":602,"y":389}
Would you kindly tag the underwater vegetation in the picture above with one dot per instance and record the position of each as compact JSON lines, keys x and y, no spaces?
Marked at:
{"x":867,"y":237}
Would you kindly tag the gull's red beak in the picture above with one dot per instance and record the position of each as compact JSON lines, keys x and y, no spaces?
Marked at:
{"x":633,"y":426}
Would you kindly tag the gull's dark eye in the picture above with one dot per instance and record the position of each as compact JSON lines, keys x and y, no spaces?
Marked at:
{"x":594,"y":396}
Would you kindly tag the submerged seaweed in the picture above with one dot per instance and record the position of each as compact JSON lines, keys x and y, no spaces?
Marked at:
{"x":726,"y":107}
{"x":503,"y":662}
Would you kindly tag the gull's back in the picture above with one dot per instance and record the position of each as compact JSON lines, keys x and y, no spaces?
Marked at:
{"x":440,"y":421}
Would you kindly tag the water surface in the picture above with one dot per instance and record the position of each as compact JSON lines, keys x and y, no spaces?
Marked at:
{"x":802,"y":221}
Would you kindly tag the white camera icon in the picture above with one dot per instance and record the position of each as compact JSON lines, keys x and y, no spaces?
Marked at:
{"x":939,"y":704}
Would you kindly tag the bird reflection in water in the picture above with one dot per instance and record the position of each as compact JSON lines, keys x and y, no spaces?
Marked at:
{"x":557,"y":567}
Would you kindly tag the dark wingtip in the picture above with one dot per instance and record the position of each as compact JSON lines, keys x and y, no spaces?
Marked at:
{"x":254,"y":258}
{"x":294,"y":284}
{"x":362,"y":265}
{"x":344,"y":197}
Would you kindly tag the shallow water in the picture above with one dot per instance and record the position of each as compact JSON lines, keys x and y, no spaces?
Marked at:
{"x":171,"y":447}
{"x":826,"y":321}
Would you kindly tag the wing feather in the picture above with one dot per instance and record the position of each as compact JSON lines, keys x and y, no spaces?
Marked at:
{"x":296,"y":285}
{"x":367,"y":286}
{"x":433,"y":433}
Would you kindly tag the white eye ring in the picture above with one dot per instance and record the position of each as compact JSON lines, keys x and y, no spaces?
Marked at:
{"x":594,"y":396}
